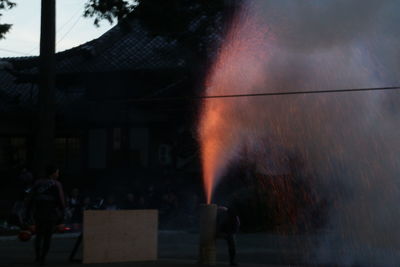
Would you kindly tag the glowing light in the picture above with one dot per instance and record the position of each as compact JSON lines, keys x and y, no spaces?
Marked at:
{"x":347,"y":142}
{"x":238,"y":67}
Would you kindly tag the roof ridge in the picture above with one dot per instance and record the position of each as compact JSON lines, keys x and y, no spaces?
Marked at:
{"x":97,"y":44}
{"x":26,"y":62}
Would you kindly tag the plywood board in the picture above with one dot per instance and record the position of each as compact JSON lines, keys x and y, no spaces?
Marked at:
{"x":120,"y":236}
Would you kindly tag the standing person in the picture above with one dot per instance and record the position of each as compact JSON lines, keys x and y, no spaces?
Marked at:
{"x":110,"y":203}
{"x":75,"y":208}
{"x":47,"y":204}
{"x":25,"y":181}
{"x":18,"y":212}
{"x":227,"y":226}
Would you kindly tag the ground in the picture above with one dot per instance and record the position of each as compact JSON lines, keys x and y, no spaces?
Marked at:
{"x":175,"y":249}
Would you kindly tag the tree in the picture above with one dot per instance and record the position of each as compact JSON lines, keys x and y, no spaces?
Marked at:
{"x":108,"y":9}
{"x":164,"y":17}
{"x":172,"y":18}
{"x":4,"y":28}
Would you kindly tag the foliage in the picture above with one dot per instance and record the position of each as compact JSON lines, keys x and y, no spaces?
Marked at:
{"x":4,"y":28}
{"x":160,"y":16}
{"x":108,"y":9}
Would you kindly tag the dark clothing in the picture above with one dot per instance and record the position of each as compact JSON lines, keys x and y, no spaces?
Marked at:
{"x":227,"y":226}
{"x":18,"y":214}
{"x":48,"y":206}
{"x":48,"y":200}
{"x":44,"y":232}
{"x":25,"y":180}
{"x":231,"y":242}
{"x":75,"y":205}
{"x":227,"y":222}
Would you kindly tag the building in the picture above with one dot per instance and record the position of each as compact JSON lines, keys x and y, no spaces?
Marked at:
{"x":120,"y":111}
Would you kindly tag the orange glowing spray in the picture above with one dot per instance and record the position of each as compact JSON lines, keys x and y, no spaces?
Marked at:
{"x":238,"y":68}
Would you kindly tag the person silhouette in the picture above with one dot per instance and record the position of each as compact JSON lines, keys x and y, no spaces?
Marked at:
{"x":47,"y":205}
{"x":228,"y":224}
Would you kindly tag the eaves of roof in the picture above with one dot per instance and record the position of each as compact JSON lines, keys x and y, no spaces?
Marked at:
{"x":126,"y":47}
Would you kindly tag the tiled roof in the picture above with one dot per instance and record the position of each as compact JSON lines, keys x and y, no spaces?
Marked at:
{"x":14,"y":96}
{"x":23,"y":96}
{"x":126,"y":47}
{"x":134,"y":50}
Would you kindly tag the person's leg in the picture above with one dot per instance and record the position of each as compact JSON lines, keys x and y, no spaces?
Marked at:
{"x":38,"y":241}
{"x":38,"y":246}
{"x":230,"y":239}
{"x":48,"y":232}
{"x":76,"y":246}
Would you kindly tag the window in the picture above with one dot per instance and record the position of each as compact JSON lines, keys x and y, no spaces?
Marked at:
{"x":68,"y":153}
{"x":13,"y":152}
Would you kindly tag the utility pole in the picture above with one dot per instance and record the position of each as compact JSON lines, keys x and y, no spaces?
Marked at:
{"x":44,"y":139}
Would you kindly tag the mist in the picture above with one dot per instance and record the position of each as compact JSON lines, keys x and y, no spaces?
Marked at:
{"x":348,"y":140}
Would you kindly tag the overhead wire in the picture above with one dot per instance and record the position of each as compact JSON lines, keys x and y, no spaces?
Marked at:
{"x":77,"y":12}
{"x":69,"y":30}
{"x":15,"y":52}
{"x":264,"y":94}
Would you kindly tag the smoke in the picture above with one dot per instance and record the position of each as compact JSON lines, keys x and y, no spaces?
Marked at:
{"x":349,"y":140}
{"x":311,"y":25}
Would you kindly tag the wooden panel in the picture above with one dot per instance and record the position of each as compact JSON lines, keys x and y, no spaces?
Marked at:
{"x":120,"y":236}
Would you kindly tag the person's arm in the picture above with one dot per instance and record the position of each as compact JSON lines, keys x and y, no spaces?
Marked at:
{"x":30,"y":203}
{"x":31,"y":198}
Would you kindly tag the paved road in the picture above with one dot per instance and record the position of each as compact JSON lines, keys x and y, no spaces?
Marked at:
{"x":175,"y":249}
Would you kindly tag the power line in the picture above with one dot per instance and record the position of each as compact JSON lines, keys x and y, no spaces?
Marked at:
{"x":149,"y":99}
{"x":62,"y":27}
{"x":15,"y":52}
{"x":77,"y":12}
{"x":69,"y":30}
{"x":306,"y":92}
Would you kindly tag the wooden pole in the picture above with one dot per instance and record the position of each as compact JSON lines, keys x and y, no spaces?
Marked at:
{"x":44,"y":145}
